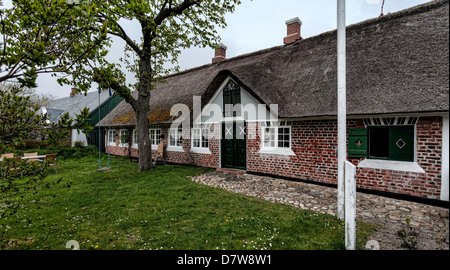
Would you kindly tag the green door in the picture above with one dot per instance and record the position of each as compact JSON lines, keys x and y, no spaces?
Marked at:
{"x":234,"y":146}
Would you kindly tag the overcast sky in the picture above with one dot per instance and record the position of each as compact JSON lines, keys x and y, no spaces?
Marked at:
{"x":256,"y":25}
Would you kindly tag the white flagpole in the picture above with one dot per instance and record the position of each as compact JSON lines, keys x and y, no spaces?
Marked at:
{"x":342,"y":110}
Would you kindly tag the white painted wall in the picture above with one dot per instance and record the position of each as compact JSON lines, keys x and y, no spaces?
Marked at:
{"x":213,"y":111}
{"x":78,"y":136}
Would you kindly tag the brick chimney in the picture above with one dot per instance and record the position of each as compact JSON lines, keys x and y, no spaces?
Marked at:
{"x":293,"y":30}
{"x":73,"y":92}
{"x":220,"y":54}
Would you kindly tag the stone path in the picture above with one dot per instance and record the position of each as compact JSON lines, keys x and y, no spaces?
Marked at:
{"x":430,"y":222}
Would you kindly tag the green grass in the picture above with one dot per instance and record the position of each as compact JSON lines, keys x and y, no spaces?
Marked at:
{"x":162,"y":209}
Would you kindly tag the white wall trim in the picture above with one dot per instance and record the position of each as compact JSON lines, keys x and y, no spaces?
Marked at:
{"x":200,"y":150}
{"x":445,"y":159}
{"x":175,"y":148}
{"x":277,"y":151}
{"x":391,"y":165}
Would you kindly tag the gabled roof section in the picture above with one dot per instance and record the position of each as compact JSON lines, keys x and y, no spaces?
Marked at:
{"x":395,"y":64}
{"x":54,"y":114}
{"x":73,"y":105}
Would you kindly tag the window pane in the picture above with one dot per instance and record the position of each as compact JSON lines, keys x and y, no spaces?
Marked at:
{"x":284,"y":135}
{"x":205,"y":140}
{"x":196,"y":137}
{"x":269,"y":137}
{"x":152,"y":136}
{"x":112,"y":136}
{"x":172,"y":139}
{"x":379,"y":142}
{"x":179,"y":137}
{"x":157,"y":136}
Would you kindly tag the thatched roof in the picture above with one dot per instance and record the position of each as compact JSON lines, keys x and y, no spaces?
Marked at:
{"x":398,"y":63}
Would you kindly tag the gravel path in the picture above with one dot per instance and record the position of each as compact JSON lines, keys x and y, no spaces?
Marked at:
{"x":430,"y":223}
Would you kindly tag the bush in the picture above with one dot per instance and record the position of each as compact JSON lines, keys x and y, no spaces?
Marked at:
{"x":78,"y":144}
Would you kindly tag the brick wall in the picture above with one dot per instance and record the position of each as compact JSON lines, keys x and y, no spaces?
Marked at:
{"x":315,"y":144}
{"x":428,"y":184}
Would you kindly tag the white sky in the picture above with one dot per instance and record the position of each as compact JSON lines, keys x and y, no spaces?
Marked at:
{"x":255,"y":25}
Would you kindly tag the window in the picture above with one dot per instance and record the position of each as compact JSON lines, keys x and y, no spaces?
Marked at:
{"x":277,"y":137}
{"x":391,"y":142}
{"x":135,"y":141}
{"x":176,"y":137}
{"x":123,"y":138}
{"x":284,"y":137}
{"x":112,"y":137}
{"x":269,"y":137}
{"x":200,"y":137}
{"x":379,"y":142}
{"x":205,"y":137}
{"x":196,"y":137}
{"x":155,"y":136}
{"x":382,"y":142}
{"x":231,"y":96}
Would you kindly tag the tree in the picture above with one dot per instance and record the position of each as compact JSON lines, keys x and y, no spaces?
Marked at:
{"x":47,"y":36}
{"x":20,"y":180}
{"x":167,"y":27}
{"x":19,"y":118}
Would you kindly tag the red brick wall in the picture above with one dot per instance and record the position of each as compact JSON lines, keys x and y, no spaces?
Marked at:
{"x":428,"y":184}
{"x":315,"y":144}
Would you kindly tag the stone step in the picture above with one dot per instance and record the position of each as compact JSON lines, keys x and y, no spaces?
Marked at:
{"x":232,"y":171}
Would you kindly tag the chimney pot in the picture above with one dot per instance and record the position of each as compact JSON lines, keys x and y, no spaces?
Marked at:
{"x":293,"y":30}
{"x":220,"y":54}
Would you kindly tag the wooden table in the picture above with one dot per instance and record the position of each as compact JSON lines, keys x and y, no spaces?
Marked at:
{"x":30,"y":157}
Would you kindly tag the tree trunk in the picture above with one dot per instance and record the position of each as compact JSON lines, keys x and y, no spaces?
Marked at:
{"x":142,"y":127}
{"x":142,"y":108}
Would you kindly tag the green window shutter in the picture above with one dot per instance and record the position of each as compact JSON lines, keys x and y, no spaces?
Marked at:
{"x":357,"y":142}
{"x":401,"y":143}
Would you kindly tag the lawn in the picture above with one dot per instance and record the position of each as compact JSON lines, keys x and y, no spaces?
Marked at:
{"x":162,"y":209}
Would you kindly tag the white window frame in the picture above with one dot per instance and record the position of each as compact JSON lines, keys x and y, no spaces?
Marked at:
{"x":154,"y":142}
{"x":276,"y":149}
{"x":178,"y":132}
{"x":114,"y":135}
{"x":120,"y":138}
{"x":134,"y":139}
{"x":201,"y":148}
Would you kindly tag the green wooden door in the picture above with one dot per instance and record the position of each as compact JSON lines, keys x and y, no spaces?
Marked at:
{"x":234,"y":146}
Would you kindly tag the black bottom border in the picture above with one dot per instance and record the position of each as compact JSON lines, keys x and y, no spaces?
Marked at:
{"x":223,"y":259}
